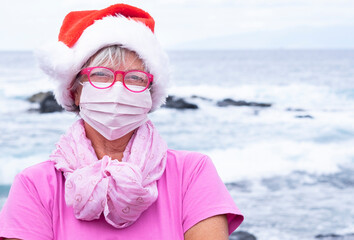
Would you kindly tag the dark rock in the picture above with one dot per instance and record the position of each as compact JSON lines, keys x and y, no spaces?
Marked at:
{"x":202,"y":98}
{"x":241,"y":235}
{"x":304,"y":116}
{"x":230,"y":102}
{"x":39,"y":97}
{"x":178,"y":103}
{"x":295,"y":110}
{"x":332,"y":236}
{"x":49,"y":104}
{"x":241,"y":186}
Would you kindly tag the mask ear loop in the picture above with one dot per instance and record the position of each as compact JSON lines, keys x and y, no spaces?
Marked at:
{"x":150,"y":86}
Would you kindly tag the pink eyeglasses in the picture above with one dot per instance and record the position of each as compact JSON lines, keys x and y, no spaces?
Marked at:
{"x":102,"y":78}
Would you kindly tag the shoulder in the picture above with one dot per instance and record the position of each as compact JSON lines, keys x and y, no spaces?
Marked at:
{"x":187,"y":159}
{"x":40,"y":171}
{"x":40,"y":179}
{"x":28,"y":211}
{"x":188,"y":165}
{"x":204,"y":194}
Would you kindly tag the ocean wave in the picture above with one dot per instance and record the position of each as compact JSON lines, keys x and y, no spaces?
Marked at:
{"x":254,"y":161}
{"x":293,"y":95}
{"x":11,"y":166}
{"x":280,"y":158}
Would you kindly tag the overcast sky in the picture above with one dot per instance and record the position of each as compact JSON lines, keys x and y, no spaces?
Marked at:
{"x":27,"y":24}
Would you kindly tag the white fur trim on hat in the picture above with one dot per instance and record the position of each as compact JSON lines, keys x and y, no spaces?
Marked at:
{"x":63,"y":63}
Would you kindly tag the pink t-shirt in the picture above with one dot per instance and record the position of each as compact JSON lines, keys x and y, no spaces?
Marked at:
{"x":190,"y":190}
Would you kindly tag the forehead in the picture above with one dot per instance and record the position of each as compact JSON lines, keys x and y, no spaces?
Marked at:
{"x":119,"y":60}
{"x":131,"y":58}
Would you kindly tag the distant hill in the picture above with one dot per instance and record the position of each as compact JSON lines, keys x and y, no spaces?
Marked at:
{"x":336,"y":37}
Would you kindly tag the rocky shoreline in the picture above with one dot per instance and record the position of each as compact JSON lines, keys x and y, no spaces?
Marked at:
{"x":332,"y":236}
{"x":48,"y":104}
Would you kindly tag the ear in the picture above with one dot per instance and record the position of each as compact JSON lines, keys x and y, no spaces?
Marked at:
{"x":77,"y":95}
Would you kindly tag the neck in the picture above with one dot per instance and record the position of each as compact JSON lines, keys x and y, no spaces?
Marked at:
{"x":103,"y":146}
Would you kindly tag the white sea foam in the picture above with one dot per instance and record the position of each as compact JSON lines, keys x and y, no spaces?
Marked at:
{"x":14,"y":105}
{"x":11,"y":166}
{"x":274,"y":158}
{"x":23,"y":89}
{"x":254,"y":161}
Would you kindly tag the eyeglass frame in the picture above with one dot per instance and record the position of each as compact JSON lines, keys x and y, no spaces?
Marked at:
{"x":87,"y":71}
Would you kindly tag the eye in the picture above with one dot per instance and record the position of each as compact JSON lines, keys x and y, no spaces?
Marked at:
{"x":100,"y":74}
{"x":134,"y":77}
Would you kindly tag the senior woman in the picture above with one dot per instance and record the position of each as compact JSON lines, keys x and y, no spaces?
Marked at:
{"x":111,"y":175}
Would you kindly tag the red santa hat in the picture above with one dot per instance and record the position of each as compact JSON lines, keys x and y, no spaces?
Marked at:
{"x":83,"y":33}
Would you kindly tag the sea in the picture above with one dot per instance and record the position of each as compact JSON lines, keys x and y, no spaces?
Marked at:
{"x":289,"y":167}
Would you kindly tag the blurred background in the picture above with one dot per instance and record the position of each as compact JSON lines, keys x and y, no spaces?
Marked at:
{"x":272,"y":89}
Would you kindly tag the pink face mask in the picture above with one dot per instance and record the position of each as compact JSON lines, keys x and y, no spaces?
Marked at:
{"x":115,"y":111}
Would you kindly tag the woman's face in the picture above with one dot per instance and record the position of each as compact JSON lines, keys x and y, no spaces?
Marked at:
{"x":131,"y":62}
